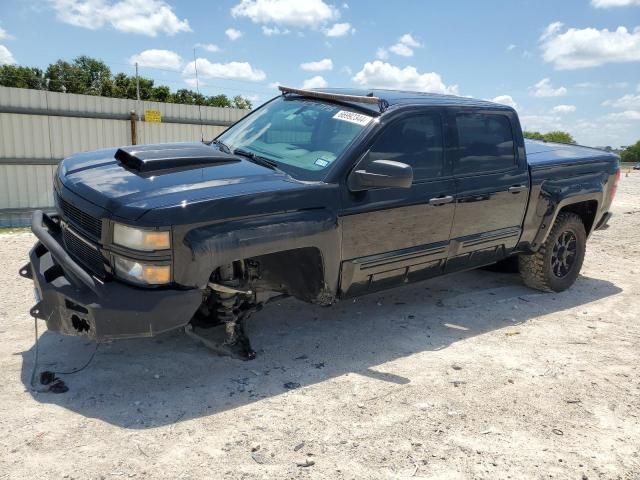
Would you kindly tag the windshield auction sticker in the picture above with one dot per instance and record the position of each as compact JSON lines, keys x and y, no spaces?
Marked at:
{"x":352,"y":117}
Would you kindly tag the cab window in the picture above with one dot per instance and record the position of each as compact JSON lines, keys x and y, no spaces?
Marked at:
{"x":416,"y":141}
{"x":485,"y":143}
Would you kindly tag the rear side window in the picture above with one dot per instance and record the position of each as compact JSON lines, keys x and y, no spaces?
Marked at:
{"x":416,"y":141}
{"x":486,"y":143}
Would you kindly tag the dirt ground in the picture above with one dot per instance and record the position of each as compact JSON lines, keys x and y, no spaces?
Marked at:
{"x":473,"y":376}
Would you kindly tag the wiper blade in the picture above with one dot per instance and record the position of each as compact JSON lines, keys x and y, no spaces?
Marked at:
{"x":265,"y":162}
{"x":223,"y":146}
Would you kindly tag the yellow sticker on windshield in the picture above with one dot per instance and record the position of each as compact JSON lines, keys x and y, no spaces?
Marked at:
{"x":352,"y":117}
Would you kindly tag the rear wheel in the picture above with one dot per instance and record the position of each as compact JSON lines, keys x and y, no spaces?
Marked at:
{"x":556,"y":265}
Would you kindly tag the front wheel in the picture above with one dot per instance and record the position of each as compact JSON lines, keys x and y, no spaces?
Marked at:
{"x":556,"y":265}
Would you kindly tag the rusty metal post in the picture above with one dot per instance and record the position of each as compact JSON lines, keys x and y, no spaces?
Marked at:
{"x":134,"y":136}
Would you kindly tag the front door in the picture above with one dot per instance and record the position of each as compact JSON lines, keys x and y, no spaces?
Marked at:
{"x":393,"y":235}
{"x":492,"y":189}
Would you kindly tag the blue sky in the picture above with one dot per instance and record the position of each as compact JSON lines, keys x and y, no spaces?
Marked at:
{"x":565,"y":64}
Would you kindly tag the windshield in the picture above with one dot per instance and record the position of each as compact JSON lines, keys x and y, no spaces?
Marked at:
{"x":301,"y":137}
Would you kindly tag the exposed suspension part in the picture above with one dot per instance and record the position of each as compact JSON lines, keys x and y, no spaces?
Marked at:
{"x":225,"y":309}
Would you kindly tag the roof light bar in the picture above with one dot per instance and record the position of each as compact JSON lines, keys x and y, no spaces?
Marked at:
{"x":331,"y":96}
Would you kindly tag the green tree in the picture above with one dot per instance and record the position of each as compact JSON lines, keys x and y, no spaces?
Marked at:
{"x":219,"y":101}
{"x":241,"y":102}
{"x":533,"y":135}
{"x":631,"y":153}
{"x":556,"y":136}
{"x":161,"y":94}
{"x":21,"y":77}
{"x":560,"y":137}
{"x":95,"y":75}
{"x":91,"y":76}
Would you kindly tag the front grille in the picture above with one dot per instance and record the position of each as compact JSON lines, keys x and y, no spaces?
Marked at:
{"x":82,"y":220}
{"x":84,"y":252}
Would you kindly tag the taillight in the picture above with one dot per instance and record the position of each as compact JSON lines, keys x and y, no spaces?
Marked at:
{"x":616,"y":180}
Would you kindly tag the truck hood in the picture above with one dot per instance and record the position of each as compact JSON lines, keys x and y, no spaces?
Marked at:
{"x":162,"y":176}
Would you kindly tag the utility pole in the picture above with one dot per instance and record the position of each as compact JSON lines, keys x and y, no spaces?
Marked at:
{"x":137,"y":84}
{"x":135,"y":115}
{"x":195,"y":67}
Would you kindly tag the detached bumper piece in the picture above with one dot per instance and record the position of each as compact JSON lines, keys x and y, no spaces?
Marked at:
{"x":73,"y":302}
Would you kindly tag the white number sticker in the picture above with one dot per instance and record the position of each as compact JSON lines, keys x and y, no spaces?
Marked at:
{"x":352,"y":117}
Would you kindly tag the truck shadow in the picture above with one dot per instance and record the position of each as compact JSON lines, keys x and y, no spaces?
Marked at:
{"x":147,"y":383}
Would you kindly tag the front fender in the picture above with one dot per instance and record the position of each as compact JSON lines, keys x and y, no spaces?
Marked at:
{"x":206,"y":247}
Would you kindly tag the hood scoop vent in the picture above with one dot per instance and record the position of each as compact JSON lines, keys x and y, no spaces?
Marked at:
{"x":170,"y":156}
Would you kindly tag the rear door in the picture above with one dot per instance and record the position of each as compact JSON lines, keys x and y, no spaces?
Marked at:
{"x":492,"y":187}
{"x":395,"y":235}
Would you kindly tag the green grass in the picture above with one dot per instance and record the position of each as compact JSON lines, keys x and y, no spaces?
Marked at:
{"x":9,"y":230}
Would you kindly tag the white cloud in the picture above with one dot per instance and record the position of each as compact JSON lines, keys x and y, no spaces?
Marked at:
{"x":319,"y":66}
{"x":542,"y":123}
{"x":409,"y":41}
{"x":290,"y":13}
{"x":505,"y":100}
{"x":618,"y":85}
{"x":379,"y":74}
{"x":404,"y":47}
{"x":614,"y":3}
{"x":613,"y":129}
{"x":269,"y":31}
{"x":231,"y":71}
{"x":157,"y":59}
{"x":144,"y":17}
{"x":314,"y":82}
{"x":382,"y":53}
{"x":544,"y":89}
{"x":209,"y":47}
{"x":4,"y":35}
{"x":625,"y":102}
{"x":233,"y":34}
{"x":511,"y":47}
{"x":586,"y":85}
{"x":274,"y":84}
{"x":6,"y":57}
{"x":563,"y":109}
{"x":626,"y":115}
{"x":575,"y":48}
{"x":401,"y":49}
{"x":339,"y":30}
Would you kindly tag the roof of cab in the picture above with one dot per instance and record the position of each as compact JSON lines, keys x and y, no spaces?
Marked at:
{"x":405,"y":98}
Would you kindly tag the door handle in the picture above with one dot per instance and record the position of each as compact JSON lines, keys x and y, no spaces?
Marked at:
{"x":517,"y":188}
{"x":440,"y":200}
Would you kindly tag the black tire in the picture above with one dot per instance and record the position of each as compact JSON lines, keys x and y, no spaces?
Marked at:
{"x":556,"y":265}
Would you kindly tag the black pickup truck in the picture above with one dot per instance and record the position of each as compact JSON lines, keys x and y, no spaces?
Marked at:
{"x":318,"y":194}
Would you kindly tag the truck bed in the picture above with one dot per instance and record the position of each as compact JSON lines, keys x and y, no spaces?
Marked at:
{"x":544,"y":154}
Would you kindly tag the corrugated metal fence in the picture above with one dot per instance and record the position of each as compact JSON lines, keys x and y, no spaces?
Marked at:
{"x":39,"y":128}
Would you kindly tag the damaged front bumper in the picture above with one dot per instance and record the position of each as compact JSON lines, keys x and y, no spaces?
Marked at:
{"x":74,"y":302}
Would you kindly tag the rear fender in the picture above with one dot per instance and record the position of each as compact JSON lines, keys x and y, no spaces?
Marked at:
{"x":550,"y":198}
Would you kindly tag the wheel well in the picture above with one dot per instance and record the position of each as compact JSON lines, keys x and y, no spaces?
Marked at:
{"x":298,"y":272}
{"x":585,"y":210}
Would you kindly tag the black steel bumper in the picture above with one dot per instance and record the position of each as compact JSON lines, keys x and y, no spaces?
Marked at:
{"x":73,"y":302}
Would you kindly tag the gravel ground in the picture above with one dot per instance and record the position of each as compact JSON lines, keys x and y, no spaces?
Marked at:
{"x":473,"y":376}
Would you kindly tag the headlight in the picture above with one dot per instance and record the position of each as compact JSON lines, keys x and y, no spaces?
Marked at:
{"x":139,"y":239}
{"x":142,"y":273}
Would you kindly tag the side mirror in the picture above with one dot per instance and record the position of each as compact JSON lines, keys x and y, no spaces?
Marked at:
{"x":380,"y":174}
